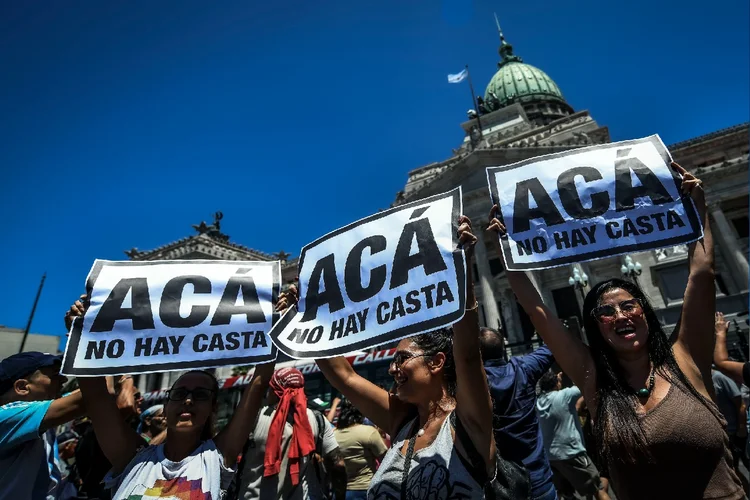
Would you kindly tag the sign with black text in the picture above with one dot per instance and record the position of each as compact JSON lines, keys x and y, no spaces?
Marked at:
{"x":591,"y":203}
{"x":174,"y":315}
{"x":388,"y":276}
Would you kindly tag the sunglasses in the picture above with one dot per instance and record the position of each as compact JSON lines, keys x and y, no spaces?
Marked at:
{"x":198,"y":394}
{"x":402,"y":357}
{"x":608,"y":313}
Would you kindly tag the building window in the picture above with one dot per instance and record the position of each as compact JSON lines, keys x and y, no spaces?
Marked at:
{"x":672,"y":282}
{"x":496,"y":266}
{"x":742,"y":226}
{"x":721,"y":286}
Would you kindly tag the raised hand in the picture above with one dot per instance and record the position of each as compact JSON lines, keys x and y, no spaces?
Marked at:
{"x":691,"y":185}
{"x":495,"y":224}
{"x":721,"y":326}
{"x":287,"y":299}
{"x":466,"y":238}
{"x":78,"y":309}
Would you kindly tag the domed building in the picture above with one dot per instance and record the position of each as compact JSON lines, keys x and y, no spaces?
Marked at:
{"x":523,"y":114}
{"x":518,"y":82}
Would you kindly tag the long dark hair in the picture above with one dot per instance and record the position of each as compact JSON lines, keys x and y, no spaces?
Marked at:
{"x":209,"y":428}
{"x":349,"y":415}
{"x":440,"y":341}
{"x":617,"y":429}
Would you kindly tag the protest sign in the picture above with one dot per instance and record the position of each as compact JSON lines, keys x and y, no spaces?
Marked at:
{"x":174,"y":315}
{"x":591,"y":203}
{"x":388,"y":276}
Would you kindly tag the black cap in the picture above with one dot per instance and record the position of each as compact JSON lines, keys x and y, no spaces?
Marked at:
{"x":19,"y":365}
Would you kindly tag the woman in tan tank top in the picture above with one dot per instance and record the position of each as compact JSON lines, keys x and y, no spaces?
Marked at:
{"x":657,"y":431}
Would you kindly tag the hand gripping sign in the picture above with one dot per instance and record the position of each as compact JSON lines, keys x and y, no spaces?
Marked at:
{"x":591,"y":203}
{"x":174,"y":315}
{"x":388,"y":276}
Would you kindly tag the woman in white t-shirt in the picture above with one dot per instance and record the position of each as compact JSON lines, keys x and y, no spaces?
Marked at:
{"x":192,"y":462}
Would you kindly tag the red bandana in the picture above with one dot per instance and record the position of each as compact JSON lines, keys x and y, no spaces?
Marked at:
{"x":289,"y":385}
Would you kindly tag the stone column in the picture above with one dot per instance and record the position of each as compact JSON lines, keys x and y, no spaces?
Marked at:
{"x":489,"y":303}
{"x":142,"y":378}
{"x":724,"y":235}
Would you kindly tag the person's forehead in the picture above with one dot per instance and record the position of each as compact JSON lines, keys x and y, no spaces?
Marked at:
{"x":407,"y":345}
{"x":615,"y":296}
{"x":48,"y":370}
{"x":194,"y":380}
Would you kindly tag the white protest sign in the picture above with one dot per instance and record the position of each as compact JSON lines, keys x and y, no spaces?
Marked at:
{"x":591,"y":203}
{"x":174,"y":315}
{"x":388,"y":276}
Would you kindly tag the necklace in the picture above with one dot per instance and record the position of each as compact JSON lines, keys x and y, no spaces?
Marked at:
{"x":644,"y":392}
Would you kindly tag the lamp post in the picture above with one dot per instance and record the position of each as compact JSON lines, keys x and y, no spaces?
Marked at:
{"x":579,"y":281}
{"x":631,"y":269}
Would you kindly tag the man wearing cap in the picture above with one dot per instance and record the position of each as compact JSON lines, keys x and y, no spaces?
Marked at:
{"x":30,"y":404}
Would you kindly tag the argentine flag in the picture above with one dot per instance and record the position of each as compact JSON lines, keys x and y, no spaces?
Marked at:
{"x":458,"y":77}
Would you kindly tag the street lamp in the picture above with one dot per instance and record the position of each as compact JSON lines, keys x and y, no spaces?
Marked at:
{"x":631,"y":269}
{"x":579,"y":281}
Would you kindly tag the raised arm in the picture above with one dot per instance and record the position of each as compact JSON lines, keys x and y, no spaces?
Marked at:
{"x":572,"y":354}
{"x":375,"y":403}
{"x":117,"y":439}
{"x":331,"y":414}
{"x":63,"y":410}
{"x":473,"y":402}
{"x":695,"y":336}
{"x":233,"y":437}
{"x":732,"y":369}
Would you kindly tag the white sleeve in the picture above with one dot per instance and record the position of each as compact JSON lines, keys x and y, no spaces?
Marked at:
{"x":329,"y":441}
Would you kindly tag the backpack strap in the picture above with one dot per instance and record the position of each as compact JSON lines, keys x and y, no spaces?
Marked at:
{"x":477,"y":467}
{"x":322,"y":423}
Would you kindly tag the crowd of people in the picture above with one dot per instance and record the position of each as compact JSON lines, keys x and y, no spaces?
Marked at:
{"x":630,"y":412}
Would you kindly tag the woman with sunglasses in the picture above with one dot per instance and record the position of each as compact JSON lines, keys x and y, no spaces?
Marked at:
{"x":655,"y":426}
{"x":192,"y":462}
{"x":437,"y":374}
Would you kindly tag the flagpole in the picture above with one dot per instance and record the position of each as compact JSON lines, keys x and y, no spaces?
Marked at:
{"x":474,"y":100}
{"x":31,"y":317}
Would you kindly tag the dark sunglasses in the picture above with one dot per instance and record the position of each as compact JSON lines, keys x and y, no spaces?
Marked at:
{"x":198,"y":394}
{"x":402,"y":357}
{"x":608,"y":313}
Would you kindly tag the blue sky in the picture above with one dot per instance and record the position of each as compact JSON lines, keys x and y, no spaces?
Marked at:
{"x":123,"y":123}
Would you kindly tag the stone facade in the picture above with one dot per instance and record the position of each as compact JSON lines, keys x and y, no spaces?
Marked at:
{"x":11,"y":338}
{"x":720,"y":159}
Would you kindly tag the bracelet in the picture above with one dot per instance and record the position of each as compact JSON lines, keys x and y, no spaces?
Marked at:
{"x":474,"y":307}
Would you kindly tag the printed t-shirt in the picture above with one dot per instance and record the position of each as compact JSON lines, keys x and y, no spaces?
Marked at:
{"x":252,"y":483}
{"x":24,"y":471}
{"x":201,"y":475}
{"x":361,"y":445}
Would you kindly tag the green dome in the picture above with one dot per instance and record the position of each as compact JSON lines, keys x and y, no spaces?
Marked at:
{"x":516,"y":81}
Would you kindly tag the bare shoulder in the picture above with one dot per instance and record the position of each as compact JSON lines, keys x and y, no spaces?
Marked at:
{"x":691,"y":371}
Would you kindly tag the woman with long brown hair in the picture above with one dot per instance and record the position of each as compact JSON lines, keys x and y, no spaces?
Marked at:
{"x":657,"y":430}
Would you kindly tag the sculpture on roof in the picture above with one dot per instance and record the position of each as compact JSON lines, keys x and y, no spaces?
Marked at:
{"x":214,"y":230}
{"x":282,"y":256}
{"x":493,"y":104}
